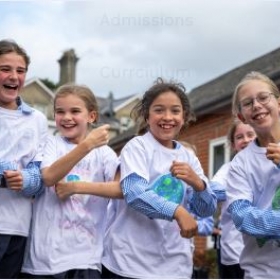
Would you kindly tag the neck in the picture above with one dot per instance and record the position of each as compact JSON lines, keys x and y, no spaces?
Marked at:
{"x":264,"y":140}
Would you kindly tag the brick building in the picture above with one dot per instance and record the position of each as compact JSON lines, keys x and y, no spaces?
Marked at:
{"x":211,"y":103}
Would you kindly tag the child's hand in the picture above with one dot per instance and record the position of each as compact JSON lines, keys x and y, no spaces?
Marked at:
{"x":13,"y":179}
{"x":186,"y":222}
{"x":98,"y":137}
{"x":273,"y":152}
{"x":64,"y":189}
{"x":183,"y":171}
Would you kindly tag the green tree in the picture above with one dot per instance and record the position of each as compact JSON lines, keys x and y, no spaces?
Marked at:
{"x":50,"y":84}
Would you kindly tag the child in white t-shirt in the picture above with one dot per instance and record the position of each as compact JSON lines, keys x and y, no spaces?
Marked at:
{"x":231,"y":241}
{"x":163,"y":183}
{"x":23,"y":131}
{"x":254,"y":177}
{"x":67,"y":234}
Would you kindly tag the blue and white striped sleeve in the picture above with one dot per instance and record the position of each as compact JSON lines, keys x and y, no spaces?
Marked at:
{"x":32,"y":180}
{"x":205,"y":225}
{"x":219,"y":191}
{"x":204,"y":203}
{"x":139,"y":197}
{"x":253,"y":221}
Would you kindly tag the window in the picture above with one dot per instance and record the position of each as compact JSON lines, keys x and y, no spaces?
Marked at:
{"x":218,"y":155}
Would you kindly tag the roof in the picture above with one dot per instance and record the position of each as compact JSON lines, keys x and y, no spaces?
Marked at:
{"x":218,"y":92}
{"x":117,"y":142}
{"x":41,"y":84}
{"x":104,"y":103}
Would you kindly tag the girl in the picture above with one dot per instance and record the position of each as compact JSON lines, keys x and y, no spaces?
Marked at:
{"x":239,"y":136}
{"x":23,"y":131}
{"x":162,"y":182}
{"x":253,"y":181}
{"x":67,"y":236}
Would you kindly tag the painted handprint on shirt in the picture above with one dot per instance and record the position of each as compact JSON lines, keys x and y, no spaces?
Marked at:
{"x":275,"y":206}
{"x":169,"y":187}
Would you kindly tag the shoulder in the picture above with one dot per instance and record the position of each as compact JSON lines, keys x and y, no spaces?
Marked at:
{"x":104,"y":154}
{"x":39,"y":115}
{"x":224,"y":168}
{"x":27,"y":109}
{"x":52,"y":139}
{"x":248,"y":154}
{"x":136,"y":141}
{"x":105,"y":150}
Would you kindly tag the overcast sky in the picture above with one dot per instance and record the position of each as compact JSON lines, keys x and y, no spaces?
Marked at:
{"x":123,"y":46}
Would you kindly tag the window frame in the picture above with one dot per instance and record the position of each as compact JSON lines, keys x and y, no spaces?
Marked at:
{"x":212,"y":145}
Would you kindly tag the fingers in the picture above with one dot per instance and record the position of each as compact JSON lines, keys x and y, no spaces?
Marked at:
{"x":60,"y":194}
{"x":64,"y":189}
{"x":13,"y":179}
{"x":98,"y":137}
{"x":273,"y":153}
{"x":188,"y":234}
{"x":105,"y":126}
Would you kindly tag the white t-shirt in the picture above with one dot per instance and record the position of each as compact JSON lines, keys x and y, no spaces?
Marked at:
{"x":22,"y":137}
{"x":231,"y":239}
{"x":255,"y":178}
{"x":69,"y":234}
{"x":139,"y":247}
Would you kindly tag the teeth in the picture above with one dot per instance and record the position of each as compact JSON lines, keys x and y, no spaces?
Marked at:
{"x":166,"y":126}
{"x":260,"y":116}
{"x":68,"y":125}
{"x":11,"y":86}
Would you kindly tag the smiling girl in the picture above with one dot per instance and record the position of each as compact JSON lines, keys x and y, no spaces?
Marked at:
{"x":254,"y":177}
{"x":23,"y":131}
{"x":67,"y":235}
{"x":162,"y":182}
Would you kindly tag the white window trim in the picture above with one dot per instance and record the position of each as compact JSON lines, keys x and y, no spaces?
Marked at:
{"x":213,"y":143}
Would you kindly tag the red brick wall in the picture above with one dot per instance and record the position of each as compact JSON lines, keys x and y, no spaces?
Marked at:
{"x":199,"y":251}
{"x":207,"y":128}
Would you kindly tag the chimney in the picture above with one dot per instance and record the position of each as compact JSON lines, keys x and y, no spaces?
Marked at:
{"x":67,"y":64}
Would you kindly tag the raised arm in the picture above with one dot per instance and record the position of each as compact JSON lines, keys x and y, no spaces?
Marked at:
{"x":60,"y":168}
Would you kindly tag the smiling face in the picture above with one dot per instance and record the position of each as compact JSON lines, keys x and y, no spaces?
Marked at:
{"x":72,"y":117}
{"x":166,"y":117}
{"x":243,"y":135}
{"x":262,"y":117}
{"x":12,"y":77}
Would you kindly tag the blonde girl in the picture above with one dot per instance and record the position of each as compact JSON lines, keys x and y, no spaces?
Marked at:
{"x":253,"y":181}
{"x":67,"y":235}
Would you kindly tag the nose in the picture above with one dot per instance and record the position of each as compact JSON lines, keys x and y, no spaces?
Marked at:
{"x":13,"y":74}
{"x":248,"y":139}
{"x":255,"y":102}
{"x":168,"y":115}
{"x":67,"y":116}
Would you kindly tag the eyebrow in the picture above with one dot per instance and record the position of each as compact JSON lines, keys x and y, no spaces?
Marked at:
{"x":161,"y":105}
{"x":9,"y":66}
{"x":71,"y":108}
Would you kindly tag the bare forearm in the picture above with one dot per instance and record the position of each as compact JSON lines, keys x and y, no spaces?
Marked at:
{"x":59,"y":169}
{"x":104,"y":189}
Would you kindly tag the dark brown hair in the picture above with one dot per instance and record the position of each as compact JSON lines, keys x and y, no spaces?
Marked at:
{"x":9,"y":46}
{"x":140,"y":112}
